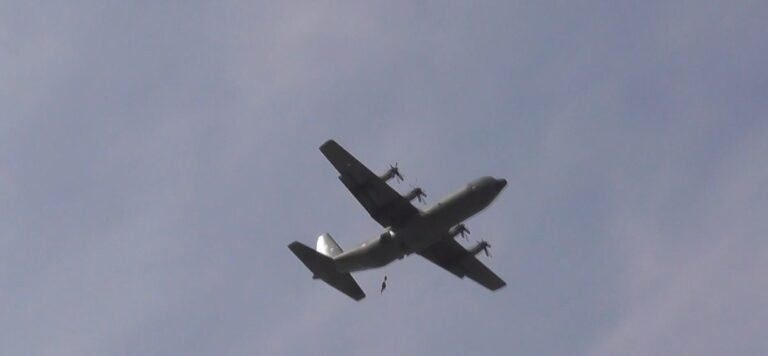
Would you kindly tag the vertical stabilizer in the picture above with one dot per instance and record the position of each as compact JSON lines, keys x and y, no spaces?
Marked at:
{"x":327,"y":246}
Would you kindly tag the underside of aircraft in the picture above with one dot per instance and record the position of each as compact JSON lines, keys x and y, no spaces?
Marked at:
{"x":430,"y":233}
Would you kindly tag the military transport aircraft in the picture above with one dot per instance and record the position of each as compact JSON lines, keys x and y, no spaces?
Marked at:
{"x":430,"y":233}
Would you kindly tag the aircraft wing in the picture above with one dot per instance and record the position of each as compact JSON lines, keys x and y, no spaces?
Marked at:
{"x":450,"y":255}
{"x":384,"y":204}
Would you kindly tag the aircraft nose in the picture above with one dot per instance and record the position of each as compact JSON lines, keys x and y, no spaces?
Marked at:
{"x":501,"y":183}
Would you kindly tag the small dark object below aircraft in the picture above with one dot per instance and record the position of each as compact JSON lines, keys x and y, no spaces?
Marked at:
{"x":430,"y":233}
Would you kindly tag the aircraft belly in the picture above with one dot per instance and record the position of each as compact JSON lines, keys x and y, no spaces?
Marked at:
{"x":421,"y":233}
{"x":435,"y":223}
{"x":453,"y":212}
{"x":372,"y":254}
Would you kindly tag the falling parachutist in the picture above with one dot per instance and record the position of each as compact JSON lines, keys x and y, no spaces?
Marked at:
{"x":384,"y":284}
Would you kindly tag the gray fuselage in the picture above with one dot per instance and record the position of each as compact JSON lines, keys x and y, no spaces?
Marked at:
{"x":428,"y":228}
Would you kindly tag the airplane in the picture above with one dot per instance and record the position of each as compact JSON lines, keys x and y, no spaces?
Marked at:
{"x":407,"y":230}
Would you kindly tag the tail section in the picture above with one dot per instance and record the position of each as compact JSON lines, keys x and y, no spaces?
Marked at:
{"x":328,"y":246}
{"x":322,"y":267}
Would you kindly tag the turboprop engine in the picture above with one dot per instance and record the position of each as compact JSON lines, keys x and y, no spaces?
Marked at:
{"x":459,"y":229}
{"x":416,"y":193}
{"x":481,"y":246}
{"x":392,"y":172}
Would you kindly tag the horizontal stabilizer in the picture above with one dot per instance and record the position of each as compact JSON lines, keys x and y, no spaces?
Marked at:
{"x":318,"y":263}
{"x":322,"y":267}
{"x":344,"y":283}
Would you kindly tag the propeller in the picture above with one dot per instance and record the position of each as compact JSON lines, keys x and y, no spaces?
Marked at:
{"x":485,"y":246}
{"x":392,"y":172}
{"x":462,"y":231}
{"x":396,"y":172}
{"x":418,"y":194}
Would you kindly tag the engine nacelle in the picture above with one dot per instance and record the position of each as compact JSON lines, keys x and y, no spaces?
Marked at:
{"x":416,"y":193}
{"x":459,"y":229}
{"x":481,"y":246}
{"x":392,"y":172}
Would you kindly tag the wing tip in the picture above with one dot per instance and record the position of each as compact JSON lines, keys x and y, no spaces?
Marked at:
{"x":499,"y":286}
{"x":329,"y":142}
{"x":358,"y":297}
{"x":297,"y":247}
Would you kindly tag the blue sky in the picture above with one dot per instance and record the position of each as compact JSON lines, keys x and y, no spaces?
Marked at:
{"x":157,"y":158}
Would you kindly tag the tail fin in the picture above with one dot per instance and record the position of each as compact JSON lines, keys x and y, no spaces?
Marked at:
{"x":328,"y":246}
{"x":323,"y":268}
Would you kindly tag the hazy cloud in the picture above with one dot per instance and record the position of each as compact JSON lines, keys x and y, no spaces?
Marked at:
{"x":156,"y":159}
